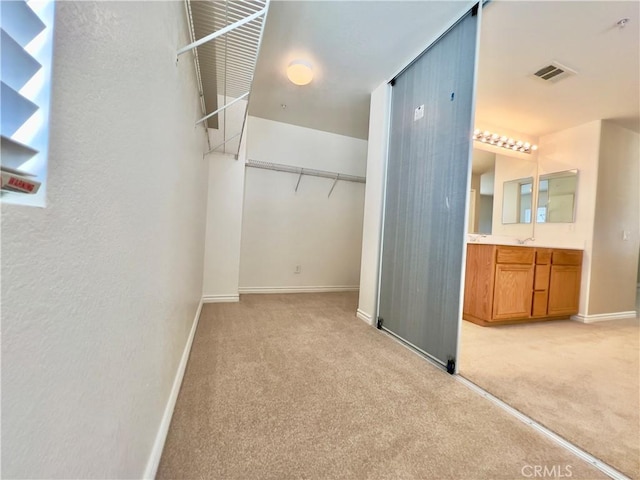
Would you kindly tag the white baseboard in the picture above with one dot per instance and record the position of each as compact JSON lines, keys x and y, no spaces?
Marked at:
{"x":163,"y":429}
{"x":339,"y":288}
{"x":364,"y":316}
{"x":220,"y":298}
{"x":604,"y":317}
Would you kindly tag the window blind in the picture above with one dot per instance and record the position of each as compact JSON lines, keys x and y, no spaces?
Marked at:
{"x":19,"y":25}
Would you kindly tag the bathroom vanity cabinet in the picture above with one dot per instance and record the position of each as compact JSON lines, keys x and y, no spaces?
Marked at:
{"x":512,"y":284}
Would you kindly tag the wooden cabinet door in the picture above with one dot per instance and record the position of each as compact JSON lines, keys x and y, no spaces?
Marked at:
{"x":512,"y":291}
{"x":564,"y":290}
{"x":478,"y":285}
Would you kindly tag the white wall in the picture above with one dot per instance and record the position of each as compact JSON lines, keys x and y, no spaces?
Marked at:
{"x":282,"y":228}
{"x":487,"y":183}
{"x":278,"y":142}
{"x":224,"y":226}
{"x":99,"y":289}
{"x":374,"y":193}
{"x":224,"y":204}
{"x":614,"y":259}
{"x":574,"y":148}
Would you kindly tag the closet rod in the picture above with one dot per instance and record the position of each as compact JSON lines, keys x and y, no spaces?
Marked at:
{"x":304,"y":171}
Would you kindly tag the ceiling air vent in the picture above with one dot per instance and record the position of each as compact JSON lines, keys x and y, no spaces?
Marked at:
{"x":554,"y":72}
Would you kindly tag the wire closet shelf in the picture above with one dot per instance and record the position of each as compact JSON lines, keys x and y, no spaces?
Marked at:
{"x":225,"y":41}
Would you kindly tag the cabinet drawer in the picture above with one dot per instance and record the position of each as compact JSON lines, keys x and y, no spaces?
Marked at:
{"x":543,"y":256}
{"x":521,"y":255}
{"x":541,"y":279}
{"x":567,"y":257}
{"x":539,"y":307}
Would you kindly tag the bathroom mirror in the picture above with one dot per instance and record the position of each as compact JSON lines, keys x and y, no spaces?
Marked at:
{"x":557,"y":197}
{"x":513,"y":209}
{"x":482,"y":190}
{"x":517,"y":201}
{"x":491,"y":170}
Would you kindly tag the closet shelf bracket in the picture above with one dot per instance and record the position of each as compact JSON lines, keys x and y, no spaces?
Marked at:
{"x":299,"y":178}
{"x":334,"y":185}
{"x":306,"y":171}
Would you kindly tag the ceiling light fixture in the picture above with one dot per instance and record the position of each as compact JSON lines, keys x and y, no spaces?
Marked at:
{"x":300,"y":72}
{"x":503,"y":141}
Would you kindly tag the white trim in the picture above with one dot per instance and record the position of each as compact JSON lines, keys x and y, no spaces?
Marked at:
{"x":220,"y":298}
{"x":319,"y":289}
{"x":364,"y":316}
{"x":383,"y":209}
{"x":467,"y":206}
{"x":603,"y":317}
{"x":577,"y":451}
{"x":161,"y":436}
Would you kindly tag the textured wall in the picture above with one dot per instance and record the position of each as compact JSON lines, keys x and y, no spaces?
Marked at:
{"x":100,"y":288}
{"x":282,"y":228}
{"x":224,"y":226}
{"x":224,"y":204}
{"x":577,"y":147}
{"x":614,"y":259}
{"x":277,"y":142}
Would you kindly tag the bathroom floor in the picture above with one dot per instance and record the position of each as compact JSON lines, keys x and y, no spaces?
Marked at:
{"x":579,"y":380}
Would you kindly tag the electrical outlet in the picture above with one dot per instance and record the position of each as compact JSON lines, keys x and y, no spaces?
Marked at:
{"x":625,"y":235}
{"x":298,"y":269}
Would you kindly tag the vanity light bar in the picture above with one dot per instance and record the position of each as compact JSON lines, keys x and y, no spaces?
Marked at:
{"x":503,"y":141}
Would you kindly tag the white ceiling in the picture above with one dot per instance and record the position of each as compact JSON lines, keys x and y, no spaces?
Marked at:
{"x":355,"y":46}
{"x":518,"y":38}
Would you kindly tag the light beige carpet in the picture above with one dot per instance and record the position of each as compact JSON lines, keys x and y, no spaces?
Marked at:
{"x":579,"y":380}
{"x":294,"y":386}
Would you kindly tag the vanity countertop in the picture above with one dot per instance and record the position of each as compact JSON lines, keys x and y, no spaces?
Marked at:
{"x":522,"y":242}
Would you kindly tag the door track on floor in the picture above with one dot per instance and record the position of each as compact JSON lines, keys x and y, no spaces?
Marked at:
{"x":567,"y":445}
